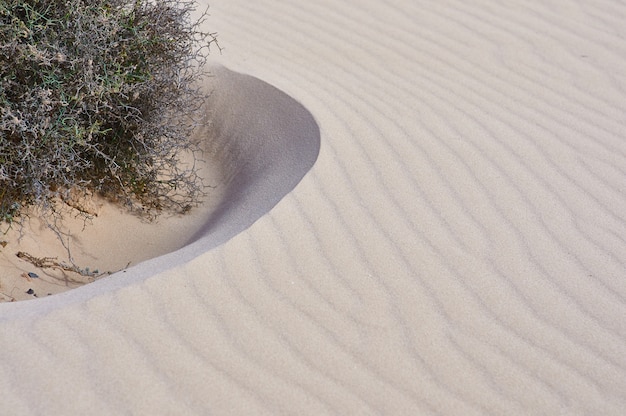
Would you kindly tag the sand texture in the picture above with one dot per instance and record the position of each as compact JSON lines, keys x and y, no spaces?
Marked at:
{"x":421,"y":210}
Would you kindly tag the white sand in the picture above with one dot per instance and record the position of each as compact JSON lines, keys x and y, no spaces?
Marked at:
{"x":457,"y":248}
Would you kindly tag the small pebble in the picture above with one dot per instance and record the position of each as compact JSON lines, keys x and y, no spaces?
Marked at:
{"x":33,"y":275}
{"x":30,"y":291}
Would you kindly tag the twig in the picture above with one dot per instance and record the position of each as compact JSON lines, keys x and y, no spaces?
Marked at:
{"x":52,"y":263}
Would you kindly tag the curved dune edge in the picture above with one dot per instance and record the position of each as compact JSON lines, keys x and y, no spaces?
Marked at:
{"x":262,"y":141}
{"x":457,"y":249}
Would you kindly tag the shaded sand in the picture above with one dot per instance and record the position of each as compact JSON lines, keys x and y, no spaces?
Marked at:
{"x":457,"y":248}
{"x":36,"y":260}
{"x":254,"y":151}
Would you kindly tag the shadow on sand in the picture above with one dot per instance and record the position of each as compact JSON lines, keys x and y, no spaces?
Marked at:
{"x":263,"y":141}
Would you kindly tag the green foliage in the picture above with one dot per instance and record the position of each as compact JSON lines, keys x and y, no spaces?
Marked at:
{"x":99,"y":96}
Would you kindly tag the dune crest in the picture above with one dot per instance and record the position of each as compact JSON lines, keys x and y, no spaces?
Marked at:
{"x":258,"y":144}
{"x":458,"y":247}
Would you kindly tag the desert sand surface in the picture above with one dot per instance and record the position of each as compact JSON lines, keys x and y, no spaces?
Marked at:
{"x":42,"y":255}
{"x":421,"y":211}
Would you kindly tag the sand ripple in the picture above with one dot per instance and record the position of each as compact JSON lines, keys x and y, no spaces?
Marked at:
{"x":457,"y":248}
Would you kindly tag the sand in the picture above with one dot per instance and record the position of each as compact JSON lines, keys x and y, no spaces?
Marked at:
{"x":419,"y":210}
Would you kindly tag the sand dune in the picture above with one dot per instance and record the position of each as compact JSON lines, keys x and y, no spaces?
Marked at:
{"x":456,"y":248}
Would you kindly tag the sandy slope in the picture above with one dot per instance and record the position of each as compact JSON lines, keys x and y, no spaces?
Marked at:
{"x":457,"y":248}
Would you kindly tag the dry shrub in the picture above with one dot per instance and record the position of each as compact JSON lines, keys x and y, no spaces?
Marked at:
{"x":99,"y":96}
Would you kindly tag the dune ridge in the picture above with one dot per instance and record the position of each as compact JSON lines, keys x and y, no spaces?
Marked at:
{"x":457,"y":248}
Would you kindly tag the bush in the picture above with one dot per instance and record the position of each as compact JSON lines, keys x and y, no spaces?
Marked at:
{"x":99,"y":96}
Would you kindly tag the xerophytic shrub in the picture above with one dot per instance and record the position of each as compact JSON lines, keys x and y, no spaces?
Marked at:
{"x":99,"y":96}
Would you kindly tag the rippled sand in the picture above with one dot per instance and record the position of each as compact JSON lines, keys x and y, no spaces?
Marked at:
{"x":423,"y":213}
